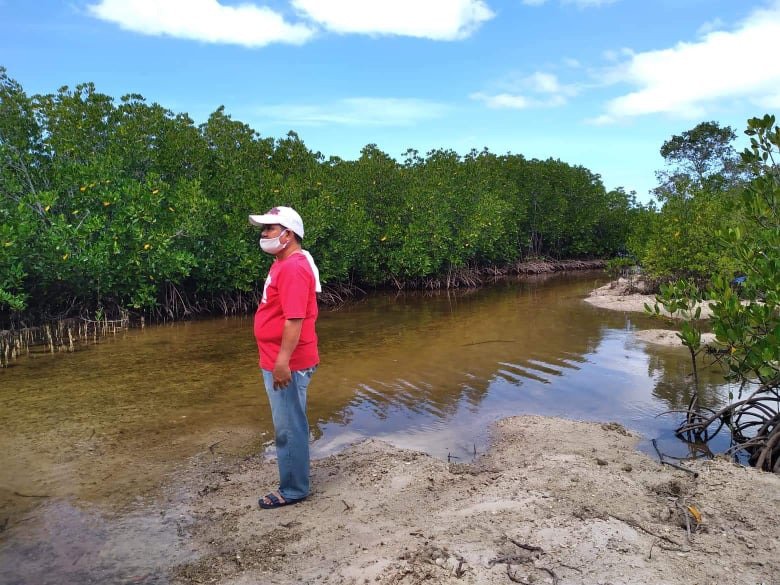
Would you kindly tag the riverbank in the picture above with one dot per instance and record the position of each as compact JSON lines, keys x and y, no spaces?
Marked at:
{"x":553,"y":501}
{"x":628,"y":296}
{"x":598,"y":510}
{"x":68,"y":333}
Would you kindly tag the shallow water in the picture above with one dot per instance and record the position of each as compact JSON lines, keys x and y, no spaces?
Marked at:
{"x":87,"y":437}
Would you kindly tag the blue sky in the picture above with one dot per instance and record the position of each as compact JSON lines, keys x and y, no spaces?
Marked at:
{"x":598,"y":83}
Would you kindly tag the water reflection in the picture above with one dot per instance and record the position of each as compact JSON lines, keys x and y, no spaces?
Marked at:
{"x":675,"y":382}
{"x":108,"y":424}
{"x":462,"y":362}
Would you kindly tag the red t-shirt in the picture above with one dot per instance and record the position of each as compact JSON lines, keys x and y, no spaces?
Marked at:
{"x":288,"y":294}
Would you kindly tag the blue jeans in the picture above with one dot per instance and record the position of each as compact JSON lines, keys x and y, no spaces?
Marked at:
{"x":291,"y":430}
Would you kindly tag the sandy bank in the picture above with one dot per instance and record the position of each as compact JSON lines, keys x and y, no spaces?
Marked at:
{"x":554,"y":501}
{"x":620,"y":296}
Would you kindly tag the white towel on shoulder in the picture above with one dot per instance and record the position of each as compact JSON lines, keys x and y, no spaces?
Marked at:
{"x":314,"y":269}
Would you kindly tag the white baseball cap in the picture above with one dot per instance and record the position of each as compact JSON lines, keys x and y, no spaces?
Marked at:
{"x":284,"y":216}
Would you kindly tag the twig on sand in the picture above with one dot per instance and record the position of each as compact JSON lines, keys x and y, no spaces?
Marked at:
{"x":31,"y":495}
{"x":522,"y":545}
{"x":670,"y":464}
{"x":637,"y":525}
{"x":684,"y":510}
{"x":515,"y":579}
{"x":552,"y":574}
{"x":509,"y":560}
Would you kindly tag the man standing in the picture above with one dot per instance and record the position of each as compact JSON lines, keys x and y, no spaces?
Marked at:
{"x":287,"y":344}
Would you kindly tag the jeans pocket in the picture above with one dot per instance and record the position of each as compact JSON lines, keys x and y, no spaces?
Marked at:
{"x":307,"y":373}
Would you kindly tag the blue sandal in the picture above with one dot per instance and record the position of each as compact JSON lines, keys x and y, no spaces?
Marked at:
{"x":276,"y":502}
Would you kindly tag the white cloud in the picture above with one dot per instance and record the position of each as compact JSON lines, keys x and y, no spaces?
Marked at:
{"x":578,"y":3}
{"x":202,"y":20}
{"x":589,"y":3}
{"x":544,"y":83}
{"x":769,"y":102}
{"x":359,"y":111}
{"x":689,"y":79}
{"x":507,"y":101}
{"x":602,"y":120}
{"x":503,"y":101}
{"x":538,"y":90}
{"x":253,"y":25}
{"x":710,"y":26}
{"x":432,"y":19}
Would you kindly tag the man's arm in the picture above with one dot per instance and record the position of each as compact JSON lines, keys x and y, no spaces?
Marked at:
{"x":290,"y":336}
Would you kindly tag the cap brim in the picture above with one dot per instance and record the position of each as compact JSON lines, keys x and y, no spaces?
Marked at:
{"x":261,"y":220}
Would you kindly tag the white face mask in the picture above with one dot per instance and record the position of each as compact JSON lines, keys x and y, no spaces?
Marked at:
{"x":273,"y":245}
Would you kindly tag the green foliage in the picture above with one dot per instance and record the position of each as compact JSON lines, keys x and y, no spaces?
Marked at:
{"x":746,"y":316}
{"x":684,"y":241}
{"x":682,"y":300}
{"x":641,"y":219}
{"x":704,"y":155}
{"x":718,"y":234}
{"x":747,"y":319}
{"x":109,"y":205}
{"x":699,"y":195}
{"x":620,"y":266}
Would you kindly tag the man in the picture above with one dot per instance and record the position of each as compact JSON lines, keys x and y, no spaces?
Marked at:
{"x":287,"y":344}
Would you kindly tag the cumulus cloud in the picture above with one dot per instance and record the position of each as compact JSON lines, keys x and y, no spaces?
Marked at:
{"x":690,"y":78}
{"x":501,"y":101}
{"x":359,"y":111}
{"x":712,"y":25}
{"x":545,"y":83}
{"x":539,"y":90}
{"x":578,"y":3}
{"x":253,"y":25}
{"x":589,"y":3}
{"x":203,"y":20}
{"x":431,"y":19}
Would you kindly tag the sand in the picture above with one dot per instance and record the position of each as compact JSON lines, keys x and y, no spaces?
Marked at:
{"x":553,"y":501}
{"x":620,"y":295}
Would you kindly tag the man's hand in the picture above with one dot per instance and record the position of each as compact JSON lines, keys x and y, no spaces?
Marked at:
{"x":282,"y":376}
{"x":290,"y":336}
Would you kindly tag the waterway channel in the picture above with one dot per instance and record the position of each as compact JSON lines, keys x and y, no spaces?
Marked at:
{"x":88,"y":434}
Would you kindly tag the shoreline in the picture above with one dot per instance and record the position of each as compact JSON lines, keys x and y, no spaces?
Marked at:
{"x":553,"y":500}
{"x":69,"y":333}
{"x":620,"y":296}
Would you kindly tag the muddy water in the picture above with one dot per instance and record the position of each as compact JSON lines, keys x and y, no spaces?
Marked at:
{"x":89,"y":437}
